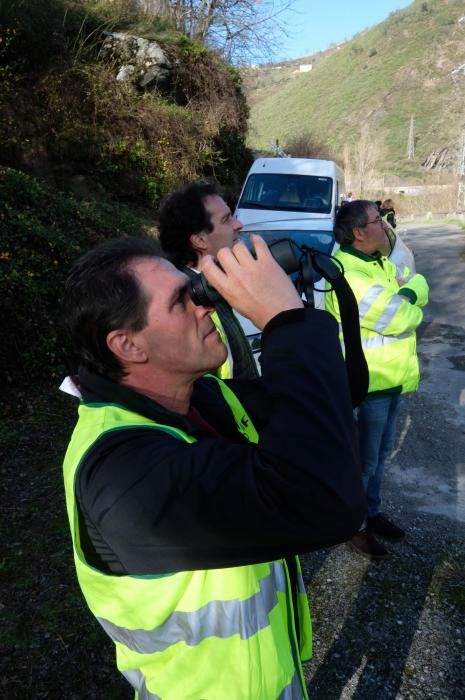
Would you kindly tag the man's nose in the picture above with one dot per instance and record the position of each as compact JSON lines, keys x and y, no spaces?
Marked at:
{"x":237,"y":224}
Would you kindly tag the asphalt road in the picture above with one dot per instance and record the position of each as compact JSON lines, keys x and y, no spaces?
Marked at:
{"x":395,"y":629}
{"x":429,"y":462}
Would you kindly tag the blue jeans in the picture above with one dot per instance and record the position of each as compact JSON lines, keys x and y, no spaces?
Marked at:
{"x":376,"y":423}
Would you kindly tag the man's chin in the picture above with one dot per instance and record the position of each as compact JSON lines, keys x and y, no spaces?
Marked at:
{"x":217,"y":363}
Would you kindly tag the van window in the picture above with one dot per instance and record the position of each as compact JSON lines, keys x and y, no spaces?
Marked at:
{"x":283,"y":192}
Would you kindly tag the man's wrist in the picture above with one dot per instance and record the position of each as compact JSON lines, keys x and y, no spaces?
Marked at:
{"x":284,"y":318}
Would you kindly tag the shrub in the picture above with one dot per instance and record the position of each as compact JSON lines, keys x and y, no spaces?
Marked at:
{"x":77,"y":119}
{"x":45,"y":30}
{"x":306,"y":145}
{"x":41,"y":233}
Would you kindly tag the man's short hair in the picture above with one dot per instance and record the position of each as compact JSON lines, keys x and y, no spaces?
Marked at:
{"x":102,"y":294}
{"x":350,"y":216}
{"x":181,"y":215}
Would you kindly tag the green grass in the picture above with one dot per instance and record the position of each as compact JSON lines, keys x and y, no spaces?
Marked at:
{"x":456,"y":222}
{"x":433,"y":221}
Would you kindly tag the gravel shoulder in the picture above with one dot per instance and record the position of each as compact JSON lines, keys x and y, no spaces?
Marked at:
{"x":395,"y":628}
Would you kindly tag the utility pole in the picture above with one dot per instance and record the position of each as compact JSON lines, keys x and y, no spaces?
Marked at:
{"x":411,"y":141}
{"x":277,"y":150}
{"x":461,"y":174}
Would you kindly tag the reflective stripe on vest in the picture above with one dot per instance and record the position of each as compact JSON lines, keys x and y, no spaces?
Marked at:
{"x":388,"y":313}
{"x":294,"y":690}
{"x":218,"y":618}
{"x":137,"y":680}
{"x":375,"y":341}
{"x":385,"y":322}
{"x":205,"y":620}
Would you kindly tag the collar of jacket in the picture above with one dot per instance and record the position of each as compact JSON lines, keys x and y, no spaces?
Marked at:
{"x":347,"y":248}
{"x":98,"y":389}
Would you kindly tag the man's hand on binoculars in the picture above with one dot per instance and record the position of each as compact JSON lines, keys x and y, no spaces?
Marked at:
{"x":257,"y":287}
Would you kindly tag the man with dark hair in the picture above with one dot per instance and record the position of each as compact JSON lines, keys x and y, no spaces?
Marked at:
{"x":189,"y":497}
{"x":184,"y":214}
{"x":195,"y":222}
{"x":389,"y":303}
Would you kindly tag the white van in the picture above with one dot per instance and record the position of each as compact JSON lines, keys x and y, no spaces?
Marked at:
{"x":302,"y":231}
{"x":279,"y":188}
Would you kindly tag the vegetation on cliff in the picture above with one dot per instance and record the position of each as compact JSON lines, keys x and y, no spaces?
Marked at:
{"x":86,"y":155}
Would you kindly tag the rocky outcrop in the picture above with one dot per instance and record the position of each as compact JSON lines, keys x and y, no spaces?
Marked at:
{"x":444,"y":160}
{"x":139,"y":60}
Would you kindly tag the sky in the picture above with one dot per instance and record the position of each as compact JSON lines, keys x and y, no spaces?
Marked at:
{"x":314,"y":25}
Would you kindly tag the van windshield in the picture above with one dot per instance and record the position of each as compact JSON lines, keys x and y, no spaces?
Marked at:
{"x":283,"y":192}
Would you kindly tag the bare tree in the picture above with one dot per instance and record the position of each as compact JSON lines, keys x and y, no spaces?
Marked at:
{"x":348,"y":167}
{"x":156,"y":7}
{"x":240,"y":29}
{"x":367,"y":153}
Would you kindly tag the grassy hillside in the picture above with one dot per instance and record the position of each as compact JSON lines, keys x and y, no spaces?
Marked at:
{"x":401,"y":67}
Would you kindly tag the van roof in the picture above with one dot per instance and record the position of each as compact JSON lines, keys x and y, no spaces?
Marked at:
{"x":296,"y":166}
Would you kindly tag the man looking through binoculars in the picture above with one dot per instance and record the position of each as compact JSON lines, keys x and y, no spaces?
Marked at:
{"x":189,"y":497}
{"x":195,"y":223}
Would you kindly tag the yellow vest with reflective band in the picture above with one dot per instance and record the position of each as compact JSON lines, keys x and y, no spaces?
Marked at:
{"x":191,"y":635}
{"x":387,"y":322}
{"x":225,"y":370}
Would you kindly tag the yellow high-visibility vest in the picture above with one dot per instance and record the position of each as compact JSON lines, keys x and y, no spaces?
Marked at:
{"x":387,"y":322}
{"x":212,"y":634}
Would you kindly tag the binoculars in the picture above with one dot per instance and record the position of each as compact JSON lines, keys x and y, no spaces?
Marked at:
{"x":303,"y":262}
{"x":291,"y":257}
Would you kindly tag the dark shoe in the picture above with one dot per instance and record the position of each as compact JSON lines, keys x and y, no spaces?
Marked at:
{"x":381,"y":526}
{"x":367,"y":545}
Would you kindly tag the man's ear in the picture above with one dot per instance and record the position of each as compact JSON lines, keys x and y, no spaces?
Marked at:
{"x":199,"y":242}
{"x":123,"y":344}
{"x":359,"y":234}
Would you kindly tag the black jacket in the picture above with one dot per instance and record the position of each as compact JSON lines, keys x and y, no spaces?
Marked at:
{"x":151,"y":503}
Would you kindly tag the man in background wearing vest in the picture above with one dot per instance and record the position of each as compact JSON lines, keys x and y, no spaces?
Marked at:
{"x":195,"y":222}
{"x":189,"y":497}
{"x":389,"y":302}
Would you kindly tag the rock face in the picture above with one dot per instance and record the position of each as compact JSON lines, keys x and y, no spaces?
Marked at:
{"x":444,"y":160}
{"x":138,"y":60}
